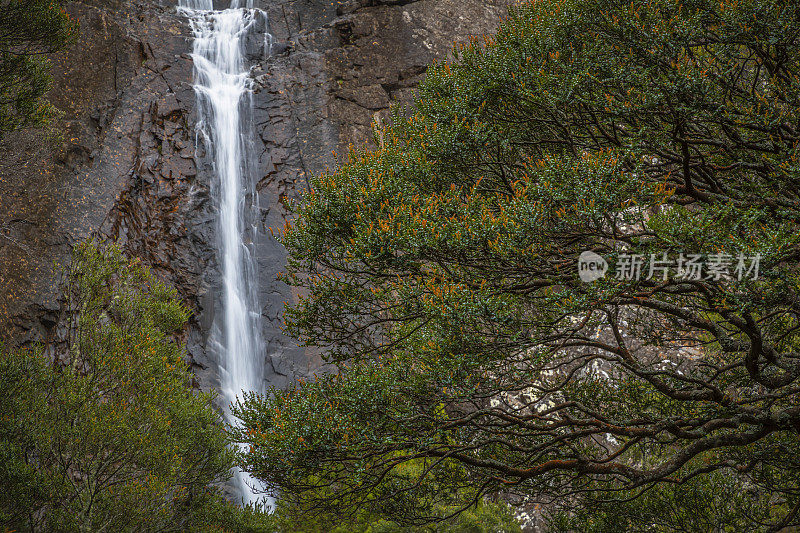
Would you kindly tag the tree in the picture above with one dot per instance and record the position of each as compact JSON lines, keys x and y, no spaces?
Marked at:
{"x":108,"y":435}
{"x":440,"y":275}
{"x":713,"y":502}
{"x":29,"y":29}
{"x":486,"y":517}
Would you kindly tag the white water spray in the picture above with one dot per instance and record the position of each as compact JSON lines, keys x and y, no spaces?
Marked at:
{"x":224,"y":97}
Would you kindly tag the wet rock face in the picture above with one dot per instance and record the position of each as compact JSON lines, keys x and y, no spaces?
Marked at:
{"x":128,"y":167}
{"x":54,"y":194}
{"x":339,"y":67}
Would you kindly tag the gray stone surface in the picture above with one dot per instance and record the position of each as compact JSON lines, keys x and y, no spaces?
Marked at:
{"x":126,"y":166}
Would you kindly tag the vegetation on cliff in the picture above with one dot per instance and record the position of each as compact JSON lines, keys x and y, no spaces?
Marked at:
{"x":29,"y":29}
{"x":103,"y":432}
{"x":440,"y":275}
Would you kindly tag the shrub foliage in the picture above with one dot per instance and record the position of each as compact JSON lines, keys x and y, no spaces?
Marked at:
{"x":29,"y":30}
{"x":108,"y":435}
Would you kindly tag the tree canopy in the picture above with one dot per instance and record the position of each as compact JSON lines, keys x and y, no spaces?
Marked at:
{"x":440,"y":276}
{"x":29,"y":29}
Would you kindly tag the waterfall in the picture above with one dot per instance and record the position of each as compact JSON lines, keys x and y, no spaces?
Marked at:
{"x":223,"y":87}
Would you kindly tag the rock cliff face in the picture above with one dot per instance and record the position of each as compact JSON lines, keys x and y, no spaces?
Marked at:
{"x":126,"y":164}
{"x":56,"y":193}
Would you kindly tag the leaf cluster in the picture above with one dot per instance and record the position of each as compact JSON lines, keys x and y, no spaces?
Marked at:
{"x":29,"y":31}
{"x":104,"y":433}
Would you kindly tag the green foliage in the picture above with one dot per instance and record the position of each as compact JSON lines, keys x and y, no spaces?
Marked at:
{"x":439,"y":274}
{"x":217,"y":515}
{"x":29,"y":29}
{"x":109,"y":436}
{"x":485,"y":517}
{"x":717,"y":502}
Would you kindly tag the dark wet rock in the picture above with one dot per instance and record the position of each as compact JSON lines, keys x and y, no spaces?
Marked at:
{"x":277,"y":49}
{"x":128,"y":166}
{"x":54,"y":194}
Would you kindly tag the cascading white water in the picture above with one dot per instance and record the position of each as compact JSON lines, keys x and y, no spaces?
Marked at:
{"x":224,"y":97}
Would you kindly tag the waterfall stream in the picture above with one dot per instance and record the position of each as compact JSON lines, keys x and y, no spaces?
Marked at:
{"x":224,"y":97}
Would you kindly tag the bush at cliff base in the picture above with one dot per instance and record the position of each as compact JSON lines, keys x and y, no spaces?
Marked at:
{"x":102,"y":432}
